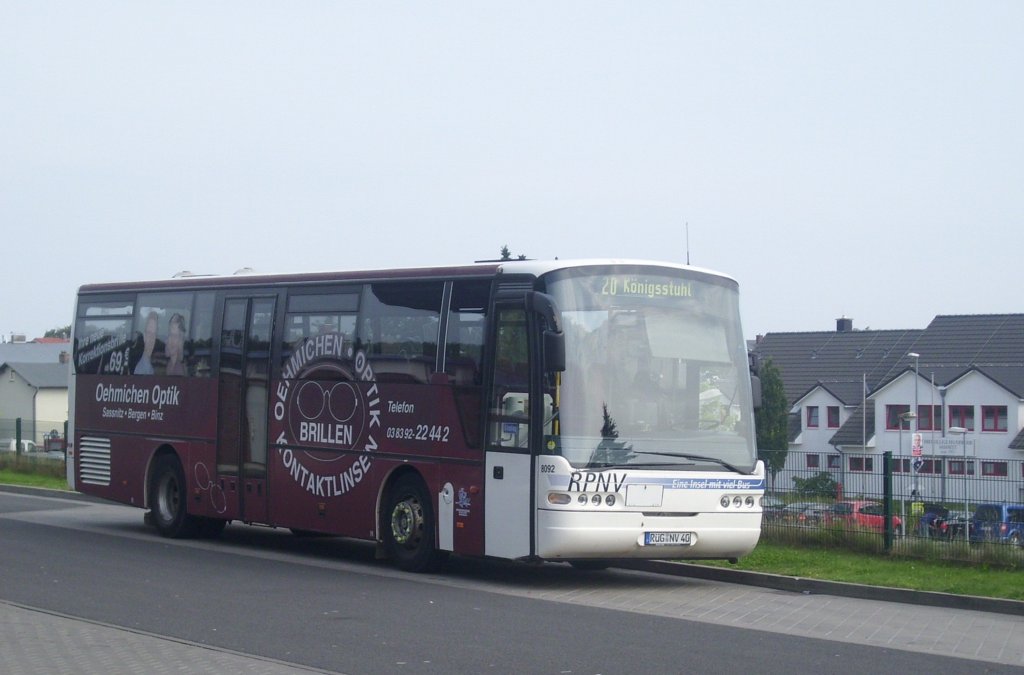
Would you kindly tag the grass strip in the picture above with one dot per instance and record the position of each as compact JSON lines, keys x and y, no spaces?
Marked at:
{"x":886,"y":571}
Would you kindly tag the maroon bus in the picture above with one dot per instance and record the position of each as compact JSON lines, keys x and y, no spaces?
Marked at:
{"x":582,"y":411}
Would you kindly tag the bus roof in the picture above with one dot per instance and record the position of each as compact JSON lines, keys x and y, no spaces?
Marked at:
{"x":244,"y":278}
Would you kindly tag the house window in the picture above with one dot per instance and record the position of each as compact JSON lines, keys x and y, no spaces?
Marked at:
{"x":862,"y":464}
{"x":900,"y":465}
{"x":956,"y":467}
{"x":962,"y":416}
{"x":892,"y":417}
{"x":932,"y":466}
{"x":993,"y":469}
{"x":993,"y":418}
{"x":833,"y":417}
{"x":813,"y":461}
{"x":835,"y":462}
{"x":929,"y":418}
{"x":812,"y":417}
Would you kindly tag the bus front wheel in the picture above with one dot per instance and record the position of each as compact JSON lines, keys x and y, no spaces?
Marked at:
{"x":167,"y":500}
{"x":409,"y":527}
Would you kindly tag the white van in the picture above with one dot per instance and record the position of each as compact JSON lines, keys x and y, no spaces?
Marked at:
{"x":9,"y":445}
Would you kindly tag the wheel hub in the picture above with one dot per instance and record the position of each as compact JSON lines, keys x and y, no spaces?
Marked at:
{"x":168,"y":498}
{"x":407,"y":522}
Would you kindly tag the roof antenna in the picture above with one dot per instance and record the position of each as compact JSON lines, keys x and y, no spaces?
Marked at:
{"x":687,"y":242}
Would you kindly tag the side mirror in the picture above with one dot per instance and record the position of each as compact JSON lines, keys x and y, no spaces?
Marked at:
{"x":755,"y":390}
{"x":554,"y":340}
{"x":554,"y":351}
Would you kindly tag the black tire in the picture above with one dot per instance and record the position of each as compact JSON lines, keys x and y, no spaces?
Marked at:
{"x":408,"y":527}
{"x":168,"y":495}
{"x":211,"y":528}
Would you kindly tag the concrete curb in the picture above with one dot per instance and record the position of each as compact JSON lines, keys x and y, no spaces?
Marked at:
{"x":838,"y":588}
{"x":49,"y":492}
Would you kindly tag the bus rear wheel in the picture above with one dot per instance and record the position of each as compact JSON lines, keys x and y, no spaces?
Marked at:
{"x":167,"y":500}
{"x":409,"y":527}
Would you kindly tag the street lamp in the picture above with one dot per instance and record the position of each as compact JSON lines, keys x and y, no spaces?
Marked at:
{"x":967,"y":513}
{"x":917,"y":409}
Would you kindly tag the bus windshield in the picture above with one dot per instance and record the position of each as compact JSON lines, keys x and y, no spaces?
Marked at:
{"x":656,"y":371}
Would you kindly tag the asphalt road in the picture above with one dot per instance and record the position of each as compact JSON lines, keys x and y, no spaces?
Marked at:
{"x":327,"y":604}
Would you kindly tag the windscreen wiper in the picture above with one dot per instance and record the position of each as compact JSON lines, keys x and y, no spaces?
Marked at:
{"x":696,"y":458}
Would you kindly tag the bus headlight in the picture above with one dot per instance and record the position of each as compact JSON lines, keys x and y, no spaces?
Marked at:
{"x":610,"y":500}
{"x":725,"y":502}
{"x":559,"y":498}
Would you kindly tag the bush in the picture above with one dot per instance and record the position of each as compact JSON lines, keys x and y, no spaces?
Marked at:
{"x":820,"y":485}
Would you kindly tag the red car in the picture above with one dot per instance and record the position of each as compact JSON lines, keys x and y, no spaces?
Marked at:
{"x":862,"y":515}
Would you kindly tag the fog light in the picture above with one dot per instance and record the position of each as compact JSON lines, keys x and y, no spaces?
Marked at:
{"x":737,"y":501}
{"x":610,"y":500}
{"x":596,"y":500}
{"x":582,"y":499}
{"x":749,"y":501}
{"x":725,"y":502}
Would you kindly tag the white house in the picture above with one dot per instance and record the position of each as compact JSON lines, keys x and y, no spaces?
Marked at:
{"x":34,"y":390}
{"x":914,"y":392}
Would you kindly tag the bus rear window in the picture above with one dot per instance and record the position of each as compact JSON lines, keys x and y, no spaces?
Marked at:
{"x":102,"y":335}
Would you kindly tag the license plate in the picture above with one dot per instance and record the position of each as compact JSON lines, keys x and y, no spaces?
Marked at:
{"x":668,"y":538}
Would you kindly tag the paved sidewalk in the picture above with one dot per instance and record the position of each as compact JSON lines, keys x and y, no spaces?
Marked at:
{"x":33,"y":641}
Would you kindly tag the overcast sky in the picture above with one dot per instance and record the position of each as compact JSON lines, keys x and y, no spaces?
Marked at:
{"x":859,"y":159}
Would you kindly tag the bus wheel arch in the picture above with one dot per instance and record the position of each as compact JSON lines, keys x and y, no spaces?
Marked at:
{"x":408,"y":524}
{"x":168,"y":497}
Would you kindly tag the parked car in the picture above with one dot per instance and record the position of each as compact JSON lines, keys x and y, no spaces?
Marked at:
{"x":804,"y":513}
{"x":772,"y":507}
{"x":953,"y":527}
{"x":863,"y":515}
{"x":998,"y":522}
{"x":30,"y":449}
{"x":11,"y":444}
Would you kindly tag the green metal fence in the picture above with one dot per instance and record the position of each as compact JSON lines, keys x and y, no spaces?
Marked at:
{"x":33,"y":437}
{"x":951,"y":507}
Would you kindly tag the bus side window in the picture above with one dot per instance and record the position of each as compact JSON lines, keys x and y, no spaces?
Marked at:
{"x":463,"y":352}
{"x":311,"y":317}
{"x":405,"y":320}
{"x":162,"y":327}
{"x":199,"y":351}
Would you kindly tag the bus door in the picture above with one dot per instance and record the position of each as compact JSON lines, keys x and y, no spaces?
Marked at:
{"x":508,"y":485}
{"x":245,"y":346}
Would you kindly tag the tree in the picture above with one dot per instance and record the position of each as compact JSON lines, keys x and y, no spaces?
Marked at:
{"x":610,"y":451}
{"x":506,"y":254}
{"x":772,"y":420}
{"x":64,"y":332}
